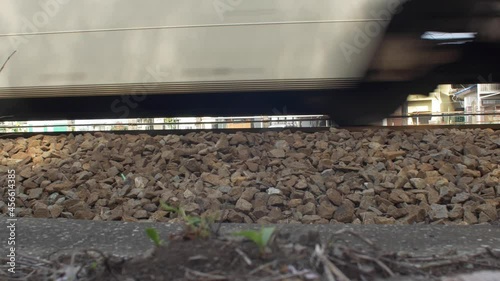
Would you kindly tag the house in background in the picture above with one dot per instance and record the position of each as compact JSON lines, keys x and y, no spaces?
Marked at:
{"x":480,"y":99}
{"x":451,"y":104}
{"x":424,"y":107}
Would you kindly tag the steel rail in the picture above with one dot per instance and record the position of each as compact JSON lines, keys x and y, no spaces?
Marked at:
{"x":444,"y":115}
{"x":495,"y":127}
{"x":166,"y":123}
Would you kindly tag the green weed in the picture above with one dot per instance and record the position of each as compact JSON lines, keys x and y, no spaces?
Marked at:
{"x":260,"y":237}
{"x":154,"y":236}
{"x":196,"y":226}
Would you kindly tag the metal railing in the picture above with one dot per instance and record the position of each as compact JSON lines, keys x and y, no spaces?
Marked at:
{"x":445,"y":118}
{"x":310,"y":121}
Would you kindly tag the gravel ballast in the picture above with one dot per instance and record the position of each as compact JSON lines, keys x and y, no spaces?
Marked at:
{"x":437,"y":176}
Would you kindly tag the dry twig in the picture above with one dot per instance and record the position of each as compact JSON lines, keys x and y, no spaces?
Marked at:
{"x":357,"y":235}
{"x":244,"y":256}
{"x":261,"y":267}
{"x":319,"y":253}
{"x":195,"y":275}
{"x":380,"y":263}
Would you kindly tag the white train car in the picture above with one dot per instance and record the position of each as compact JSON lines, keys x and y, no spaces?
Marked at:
{"x":129,"y":58}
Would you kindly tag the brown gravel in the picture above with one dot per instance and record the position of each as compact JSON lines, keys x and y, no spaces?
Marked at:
{"x":374,"y":176}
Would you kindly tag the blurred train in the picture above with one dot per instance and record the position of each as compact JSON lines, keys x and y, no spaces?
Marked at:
{"x":353,"y":60}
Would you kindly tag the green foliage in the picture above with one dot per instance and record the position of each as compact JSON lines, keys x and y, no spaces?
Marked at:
{"x":259,"y":237}
{"x":154,"y":236}
{"x":196,"y":226}
{"x":93,"y":265}
{"x":169,"y":208}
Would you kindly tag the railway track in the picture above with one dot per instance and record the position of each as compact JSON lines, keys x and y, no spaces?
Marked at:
{"x":495,"y":127}
{"x":379,"y":177}
{"x":398,"y":167}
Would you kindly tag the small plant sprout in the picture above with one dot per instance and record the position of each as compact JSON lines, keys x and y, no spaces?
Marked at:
{"x":196,"y":226}
{"x":154,"y":236}
{"x":93,"y":265}
{"x":260,"y":237}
